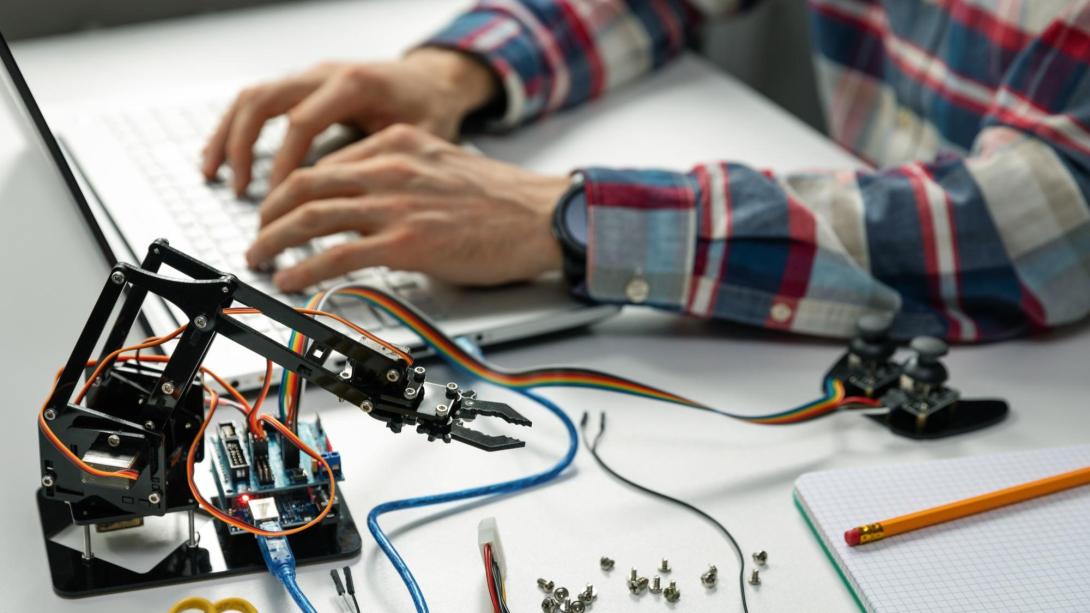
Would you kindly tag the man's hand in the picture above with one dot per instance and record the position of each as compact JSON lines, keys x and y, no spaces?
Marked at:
{"x":418,"y":203}
{"x":432,"y":89}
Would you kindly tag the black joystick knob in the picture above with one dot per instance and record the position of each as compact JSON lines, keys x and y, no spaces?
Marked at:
{"x":872,"y":343}
{"x":925,"y":366}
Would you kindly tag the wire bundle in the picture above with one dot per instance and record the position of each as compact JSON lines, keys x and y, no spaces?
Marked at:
{"x":497,"y":586}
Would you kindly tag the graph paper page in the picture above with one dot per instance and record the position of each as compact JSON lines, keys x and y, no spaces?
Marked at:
{"x":1031,"y":556}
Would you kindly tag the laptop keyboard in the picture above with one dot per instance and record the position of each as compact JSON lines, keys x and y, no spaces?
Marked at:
{"x":218,"y":228}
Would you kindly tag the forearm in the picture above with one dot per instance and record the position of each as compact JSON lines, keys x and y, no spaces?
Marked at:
{"x":814,"y":252}
{"x":550,"y":55}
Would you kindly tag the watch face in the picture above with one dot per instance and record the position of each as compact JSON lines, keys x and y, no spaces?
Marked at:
{"x":575,"y":217}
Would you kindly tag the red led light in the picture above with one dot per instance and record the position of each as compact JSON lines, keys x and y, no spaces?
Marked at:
{"x":245,"y":499}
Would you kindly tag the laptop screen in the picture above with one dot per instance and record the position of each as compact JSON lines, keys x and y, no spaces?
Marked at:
{"x":20,"y":111}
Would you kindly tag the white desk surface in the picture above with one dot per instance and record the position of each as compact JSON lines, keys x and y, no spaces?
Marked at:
{"x":740,"y":473}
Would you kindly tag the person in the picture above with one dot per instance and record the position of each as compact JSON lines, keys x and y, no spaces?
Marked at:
{"x":974,"y":224}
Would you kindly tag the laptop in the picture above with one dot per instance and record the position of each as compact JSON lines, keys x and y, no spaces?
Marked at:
{"x":132,"y":171}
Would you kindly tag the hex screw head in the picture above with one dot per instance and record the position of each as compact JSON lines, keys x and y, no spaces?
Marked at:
{"x":755,"y":577}
{"x":410,"y":393}
{"x":117,"y":277}
{"x":168,"y":388}
{"x":201,"y":322}
{"x":50,"y":415}
{"x":546,"y":585}
{"x":367,"y":406}
{"x":149,"y":425}
{"x":154,"y":497}
{"x":113,"y":440}
{"x":442,"y":410}
{"x":606,"y":563}
{"x":761,"y":557}
{"x":452,"y":390}
{"x":392,"y":375}
{"x":47,"y":481}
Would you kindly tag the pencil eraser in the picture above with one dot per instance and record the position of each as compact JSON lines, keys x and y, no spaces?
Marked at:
{"x":851,"y":537}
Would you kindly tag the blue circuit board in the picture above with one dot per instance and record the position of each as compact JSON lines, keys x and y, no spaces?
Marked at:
{"x":245,"y":467}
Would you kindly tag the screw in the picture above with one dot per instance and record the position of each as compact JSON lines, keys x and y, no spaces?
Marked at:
{"x":664,"y":566}
{"x":589,"y":595}
{"x":755,"y":577}
{"x":168,"y":388}
{"x":47,"y":481}
{"x":710,"y":578}
{"x":345,"y":374}
{"x":410,"y":393}
{"x":392,"y":375}
{"x":548,"y":605}
{"x":606,"y":563}
{"x":452,"y":390}
{"x":637,"y":586}
{"x":117,"y":277}
{"x":760,"y":557}
{"x":149,"y":425}
{"x":633,"y":575}
{"x":577,"y":606}
{"x":154,"y":497}
{"x":50,"y":415}
{"x":561,"y":594}
{"x":546,"y":585}
{"x":367,"y":406}
{"x":201,"y":322}
{"x":113,"y":440}
{"x":442,"y":410}
{"x":418,"y":372}
{"x":671,"y":593}
{"x":656,"y":585}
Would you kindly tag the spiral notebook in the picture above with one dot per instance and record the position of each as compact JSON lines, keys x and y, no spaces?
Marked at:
{"x":1027,"y":557}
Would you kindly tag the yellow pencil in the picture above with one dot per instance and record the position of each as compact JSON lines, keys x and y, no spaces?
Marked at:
{"x":970,"y":506}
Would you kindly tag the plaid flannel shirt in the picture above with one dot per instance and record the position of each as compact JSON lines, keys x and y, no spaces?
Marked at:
{"x":976,"y":114}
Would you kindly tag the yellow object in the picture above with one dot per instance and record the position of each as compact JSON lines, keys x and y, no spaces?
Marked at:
{"x":204,"y":605}
{"x":970,"y":506}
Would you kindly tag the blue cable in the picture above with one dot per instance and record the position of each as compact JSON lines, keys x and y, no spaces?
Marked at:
{"x":506,"y":487}
{"x":280,"y":560}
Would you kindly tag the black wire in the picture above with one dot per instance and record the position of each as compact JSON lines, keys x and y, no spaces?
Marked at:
{"x":593,"y":449}
{"x":497,"y":581}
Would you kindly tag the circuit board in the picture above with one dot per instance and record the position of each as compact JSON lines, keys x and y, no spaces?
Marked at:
{"x":246,"y":467}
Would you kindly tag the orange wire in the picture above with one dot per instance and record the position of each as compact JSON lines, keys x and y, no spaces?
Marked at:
{"x":255,"y":423}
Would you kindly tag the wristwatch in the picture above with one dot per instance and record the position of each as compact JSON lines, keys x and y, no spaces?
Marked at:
{"x":570,"y":230}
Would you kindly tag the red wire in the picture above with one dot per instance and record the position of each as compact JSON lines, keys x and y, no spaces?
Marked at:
{"x":863,"y":400}
{"x":490,"y":579}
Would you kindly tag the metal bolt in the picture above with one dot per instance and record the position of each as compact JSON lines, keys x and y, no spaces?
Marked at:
{"x":50,"y":415}
{"x":761,"y":557}
{"x":442,"y":410}
{"x":633,"y":574}
{"x":546,"y":585}
{"x":710,"y":578}
{"x":113,"y":440}
{"x":419,"y":372}
{"x":201,"y":322}
{"x":561,"y":594}
{"x":225,"y":289}
{"x":588,"y":595}
{"x":154,"y":497}
{"x":638,"y":586}
{"x":410,"y":393}
{"x":548,"y":605}
{"x":577,"y":606}
{"x":367,"y":406}
{"x":345,"y":374}
{"x":656,"y":585}
{"x":671,"y":593}
{"x":664,"y":566}
{"x":606,"y":563}
{"x":47,"y":481}
{"x":149,"y":425}
{"x":755,"y":577}
{"x":452,"y":390}
{"x":168,"y":388}
{"x":117,"y":277}
{"x":392,"y":375}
